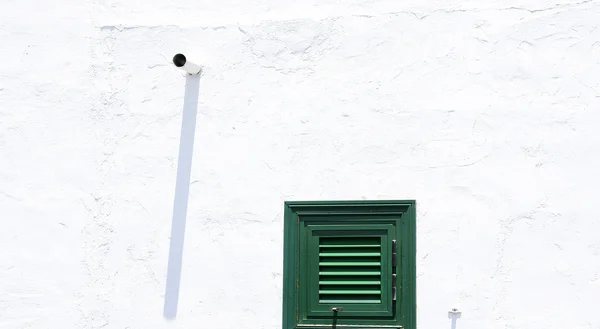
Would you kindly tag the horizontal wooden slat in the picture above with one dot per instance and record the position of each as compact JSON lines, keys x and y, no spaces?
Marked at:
{"x":350,"y":301}
{"x":350,"y":292}
{"x":349,"y":254}
{"x":350,"y":246}
{"x":350,"y":263}
{"x":350,"y":273}
{"x":352,"y":241}
{"x":349,"y":282}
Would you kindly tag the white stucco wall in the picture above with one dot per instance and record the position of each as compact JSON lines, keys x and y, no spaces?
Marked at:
{"x":485,"y":112}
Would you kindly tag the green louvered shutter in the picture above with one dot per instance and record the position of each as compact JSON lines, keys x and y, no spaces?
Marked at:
{"x":348,"y":268}
{"x":356,"y":257}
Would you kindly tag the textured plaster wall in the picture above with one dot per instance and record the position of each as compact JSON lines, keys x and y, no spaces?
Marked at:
{"x":485,"y":112}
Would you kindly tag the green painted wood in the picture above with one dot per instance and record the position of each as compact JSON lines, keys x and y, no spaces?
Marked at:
{"x":322,"y":239}
{"x":350,"y":292}
{"x":349,"y":254}
{"x":344,"y":301}
{"x":350,"y":263}
{"x":340,"y":282}
{"x":359,"y":300}
{"x":351,"y":246}
{"x":350,"y":273}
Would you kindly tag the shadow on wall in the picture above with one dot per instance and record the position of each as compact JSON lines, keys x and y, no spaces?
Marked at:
{"x":182,"y":188}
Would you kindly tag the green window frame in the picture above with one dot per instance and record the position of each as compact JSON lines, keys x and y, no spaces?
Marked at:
{"x":349,"y":264}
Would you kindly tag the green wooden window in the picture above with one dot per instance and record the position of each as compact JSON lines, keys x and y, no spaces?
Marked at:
{"x":349,"y":264}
